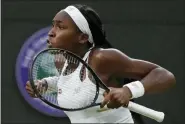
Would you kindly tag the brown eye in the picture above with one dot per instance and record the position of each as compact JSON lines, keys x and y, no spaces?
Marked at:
{"x":61,"y":27}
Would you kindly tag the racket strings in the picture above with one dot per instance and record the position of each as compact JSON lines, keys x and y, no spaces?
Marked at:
{"x":71,"y":65}
{"x":45,"y":66}
{"x":76,"y":92}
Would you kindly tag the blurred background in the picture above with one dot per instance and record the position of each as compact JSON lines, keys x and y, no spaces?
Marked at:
{"x":153,"y":30}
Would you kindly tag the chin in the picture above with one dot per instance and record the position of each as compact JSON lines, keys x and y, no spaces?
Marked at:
{"x":49,"y":46}
{"x":52,"y":46}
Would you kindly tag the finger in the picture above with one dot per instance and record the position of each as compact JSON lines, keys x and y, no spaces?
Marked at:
{"x":113,"y":104}
{"x":115,"y":101}
{"x":124,"y":102}
{"x":29,"y":88}
{"x":31,"y":93}
{"x":28,"y":83}
{"x":105,"y":94}
{"x":105,"y":101}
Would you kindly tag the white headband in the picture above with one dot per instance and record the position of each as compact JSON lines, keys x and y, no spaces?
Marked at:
{"x":80,"y":21}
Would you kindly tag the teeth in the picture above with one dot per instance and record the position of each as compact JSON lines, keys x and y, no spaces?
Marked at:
{"x":49,"y":44}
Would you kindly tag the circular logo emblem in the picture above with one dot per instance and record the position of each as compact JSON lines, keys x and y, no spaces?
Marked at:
{"x":31,"y":47}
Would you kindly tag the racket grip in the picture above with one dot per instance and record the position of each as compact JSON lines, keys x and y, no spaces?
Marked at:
{"x":150,"y":113}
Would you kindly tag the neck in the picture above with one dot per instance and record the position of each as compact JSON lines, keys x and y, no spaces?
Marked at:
{"x":81,"y":51}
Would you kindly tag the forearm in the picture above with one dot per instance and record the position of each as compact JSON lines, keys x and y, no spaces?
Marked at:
{"x":158,"y":80}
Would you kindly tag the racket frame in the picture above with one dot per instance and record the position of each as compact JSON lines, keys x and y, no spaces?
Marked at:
{"x":98,"y":81}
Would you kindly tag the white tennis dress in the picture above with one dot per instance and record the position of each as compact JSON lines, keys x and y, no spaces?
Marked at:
{"x":71,"y":85}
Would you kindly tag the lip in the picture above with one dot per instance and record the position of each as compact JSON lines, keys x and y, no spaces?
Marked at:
{"x":48,"y":41}
{"x":49,"y":44}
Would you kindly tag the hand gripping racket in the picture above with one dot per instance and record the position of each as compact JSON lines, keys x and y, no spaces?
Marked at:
{"x":77,"y":94}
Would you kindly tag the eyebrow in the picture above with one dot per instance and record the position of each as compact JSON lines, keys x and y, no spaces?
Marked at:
{"x":57,"y":21}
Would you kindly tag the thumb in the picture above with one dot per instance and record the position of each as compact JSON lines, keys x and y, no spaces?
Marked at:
{"x":105,"y":101}
{"x":105,"y":93}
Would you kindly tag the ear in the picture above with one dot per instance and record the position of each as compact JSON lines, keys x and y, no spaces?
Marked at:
{"x":83,"y":38}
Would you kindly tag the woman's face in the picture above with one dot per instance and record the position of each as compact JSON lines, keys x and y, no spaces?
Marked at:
{"x":64,"y":33}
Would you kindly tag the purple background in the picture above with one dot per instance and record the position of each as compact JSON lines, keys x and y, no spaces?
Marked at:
{"x":22,"y":75}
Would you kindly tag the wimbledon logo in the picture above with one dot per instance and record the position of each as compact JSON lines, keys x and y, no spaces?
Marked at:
{"x":30,"y":48}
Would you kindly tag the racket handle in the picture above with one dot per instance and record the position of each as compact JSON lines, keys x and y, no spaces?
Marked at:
{"x":150,"y":113}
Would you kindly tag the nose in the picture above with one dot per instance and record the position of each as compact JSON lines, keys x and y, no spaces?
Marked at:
{"x":51,"y":33}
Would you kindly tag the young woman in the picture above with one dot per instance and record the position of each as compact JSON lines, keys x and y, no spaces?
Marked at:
{"x":79,"y":29}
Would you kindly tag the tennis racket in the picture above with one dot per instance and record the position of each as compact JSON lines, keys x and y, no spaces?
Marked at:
{"x":77,"y":93}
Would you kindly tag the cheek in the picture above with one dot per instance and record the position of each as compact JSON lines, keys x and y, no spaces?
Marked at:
{"x":66,"y":37}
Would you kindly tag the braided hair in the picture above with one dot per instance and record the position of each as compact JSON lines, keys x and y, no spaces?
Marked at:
{"x":95,"y":26}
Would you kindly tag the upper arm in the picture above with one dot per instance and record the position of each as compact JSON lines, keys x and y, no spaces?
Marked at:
{"x":121,"y":65}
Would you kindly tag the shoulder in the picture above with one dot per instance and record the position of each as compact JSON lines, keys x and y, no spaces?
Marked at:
{"x":108,"y":60}
{"x":108,"y":55}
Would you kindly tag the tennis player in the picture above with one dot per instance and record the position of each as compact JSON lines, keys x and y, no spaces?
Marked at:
{"x":78,"y":28}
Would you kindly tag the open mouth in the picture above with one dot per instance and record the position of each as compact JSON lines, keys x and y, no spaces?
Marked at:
{"x":49,"y":44}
